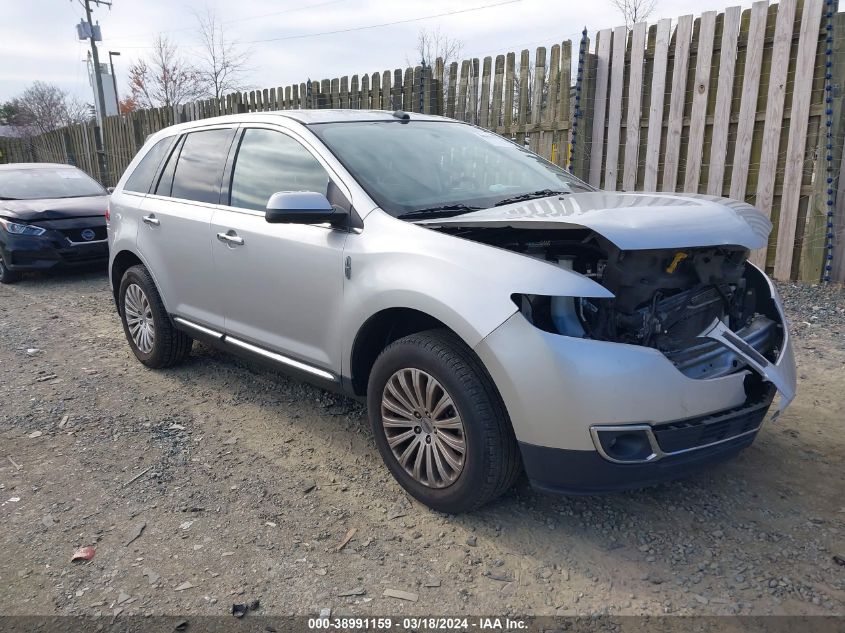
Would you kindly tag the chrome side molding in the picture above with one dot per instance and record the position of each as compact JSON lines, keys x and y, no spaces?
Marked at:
{"x":199,"y":328}
{"x":255,"y":349}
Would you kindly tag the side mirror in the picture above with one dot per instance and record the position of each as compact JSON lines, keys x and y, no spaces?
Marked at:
{"x":110,"y":190}
{"x":302,"y":207}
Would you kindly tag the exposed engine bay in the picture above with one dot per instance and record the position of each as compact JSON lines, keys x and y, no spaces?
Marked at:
{"x":666,"y":299}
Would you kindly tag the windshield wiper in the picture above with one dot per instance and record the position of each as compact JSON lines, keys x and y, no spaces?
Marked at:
{"x":7,"y":198}
{"x":443,"y":211}
{"x":542,"y":193}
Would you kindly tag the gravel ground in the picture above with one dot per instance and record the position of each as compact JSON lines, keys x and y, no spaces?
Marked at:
{"x":220,"y":482}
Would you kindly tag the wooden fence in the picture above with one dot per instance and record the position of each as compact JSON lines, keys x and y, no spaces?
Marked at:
{"x":729,"y":104}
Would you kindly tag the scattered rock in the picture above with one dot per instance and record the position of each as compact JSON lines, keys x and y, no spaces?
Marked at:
{"x":135,"y":532}
{"x":152,"y":577}
{"x":48,"y":521}
{"x":401,"y":595}
{"x":472,"y":541}
{"x":357,"y":591}
{"x":308,"y":486}
{"x":185,"y":585}
{"x":35,"y":434}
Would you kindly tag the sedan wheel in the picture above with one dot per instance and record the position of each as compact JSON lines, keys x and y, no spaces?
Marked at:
{"x":7,"y":276}
{"x":423,"y":428}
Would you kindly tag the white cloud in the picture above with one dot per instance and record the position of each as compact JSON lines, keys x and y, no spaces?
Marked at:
{"x":38,"y":37}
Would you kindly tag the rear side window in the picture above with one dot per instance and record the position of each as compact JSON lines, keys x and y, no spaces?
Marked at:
{"x":268,"y":162}
{"x":200,"y":166}
{"x":141,"y":178}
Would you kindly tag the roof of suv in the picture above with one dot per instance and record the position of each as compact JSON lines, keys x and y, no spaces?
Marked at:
{"x":309,"y":117}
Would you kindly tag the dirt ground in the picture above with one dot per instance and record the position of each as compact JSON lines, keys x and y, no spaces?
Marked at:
{"x":243,"y":484}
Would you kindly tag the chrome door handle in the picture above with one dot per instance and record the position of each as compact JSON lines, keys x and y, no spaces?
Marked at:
{"x":151,"y":220}
{"x":230,"y":239}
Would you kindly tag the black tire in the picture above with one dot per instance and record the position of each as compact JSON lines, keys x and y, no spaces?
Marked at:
{"x":8,"y":276}
{"x":170,"y":346}
{"x":491,"y":462}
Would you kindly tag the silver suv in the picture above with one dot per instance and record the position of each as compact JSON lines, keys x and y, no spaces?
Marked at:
{"x":497,"y":314}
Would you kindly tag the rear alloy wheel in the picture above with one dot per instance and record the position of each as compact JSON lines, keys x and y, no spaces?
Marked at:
{"x":439,"y":422}
{"x":151,"y":334}
{"x":8,"y":276}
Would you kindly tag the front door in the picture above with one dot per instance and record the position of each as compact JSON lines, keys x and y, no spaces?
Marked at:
{"x":281,"y":284}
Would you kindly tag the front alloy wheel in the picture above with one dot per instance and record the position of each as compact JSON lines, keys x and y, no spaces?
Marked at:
{"x":423,"y":428}
{"x":439,"y":422}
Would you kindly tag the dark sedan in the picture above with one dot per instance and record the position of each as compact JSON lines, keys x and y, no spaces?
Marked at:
{"x":51,"y":215}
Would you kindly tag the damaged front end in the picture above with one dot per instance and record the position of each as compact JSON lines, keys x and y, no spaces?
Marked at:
{"x":706,"y":309}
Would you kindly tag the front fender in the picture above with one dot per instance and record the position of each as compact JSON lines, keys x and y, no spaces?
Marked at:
{"x":464,"y":284}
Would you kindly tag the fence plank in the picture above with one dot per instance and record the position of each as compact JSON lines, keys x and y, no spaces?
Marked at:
{"x":701,"y":94}
{"x":537,"y":98}
{"x":510,"y":78}
{"x":724,"y":96}
{"x":655,"y":110}
{"x":498,"y":80}
{"x":484,"y":105}
{"x":683,"y":37}
{"x":748,"y":102}
{"x":774,"y":115}
{"x":472,"y":106}
{"x":614,"y":110}
{"x":798,"y":120}
{"x":524,"y":89}
{"x":635,"y":98}
{"x":551,"y":109}
{"x":599,"y":105}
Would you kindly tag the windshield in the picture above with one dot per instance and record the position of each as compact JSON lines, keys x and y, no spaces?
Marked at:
{"x":45,"y":182}
{"x":421,"y":167}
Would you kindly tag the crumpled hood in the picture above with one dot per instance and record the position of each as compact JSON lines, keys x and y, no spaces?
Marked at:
{"x":54,"y":209}
{"x":632,"y":221}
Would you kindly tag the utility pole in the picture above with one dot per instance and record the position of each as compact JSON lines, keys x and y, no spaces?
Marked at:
{"x":98,"y":80}
{"x":114,"y":78}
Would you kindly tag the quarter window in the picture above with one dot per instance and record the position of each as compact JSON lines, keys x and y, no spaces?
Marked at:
{"x":200,"y":168}
{"x":268,"y":162}
{"x":142,"y":177}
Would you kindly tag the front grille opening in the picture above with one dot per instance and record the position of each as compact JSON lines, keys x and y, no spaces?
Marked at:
{"x":708,"y":429}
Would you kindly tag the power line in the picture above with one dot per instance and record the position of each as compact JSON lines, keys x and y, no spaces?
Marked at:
{"x":375,"y":26}
{"x":366,"y":27}
{"x":244,"y":19}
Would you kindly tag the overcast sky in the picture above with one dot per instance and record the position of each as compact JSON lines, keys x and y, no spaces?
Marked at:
{"x":38,"y":39}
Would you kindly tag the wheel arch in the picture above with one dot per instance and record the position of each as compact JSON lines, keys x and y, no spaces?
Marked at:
{"x":121,"y":262}
{"x":379,"y":331}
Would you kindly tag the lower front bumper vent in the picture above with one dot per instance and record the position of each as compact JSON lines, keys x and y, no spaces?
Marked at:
{"x":641,"y":443}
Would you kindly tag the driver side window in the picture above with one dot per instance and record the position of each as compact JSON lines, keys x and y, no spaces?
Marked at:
{"x":269,"y":161}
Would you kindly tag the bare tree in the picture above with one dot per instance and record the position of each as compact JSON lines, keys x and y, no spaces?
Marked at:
{"x":223,"y":65}
{"x":44,"y":107}
{"x":634,"y":11}
{"x":166,"y":79}
{"x":434,"y":44}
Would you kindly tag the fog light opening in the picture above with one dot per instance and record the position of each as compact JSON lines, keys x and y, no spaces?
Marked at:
{"x":626,"y":445}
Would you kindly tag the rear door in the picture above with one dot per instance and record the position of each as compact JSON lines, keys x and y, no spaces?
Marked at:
{"x":283,"y":283}
{"x":175,"y":236}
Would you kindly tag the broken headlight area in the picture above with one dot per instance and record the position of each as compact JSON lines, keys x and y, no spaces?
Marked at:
{"x":667,"y":299}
